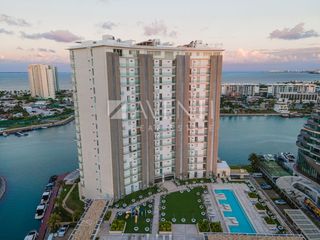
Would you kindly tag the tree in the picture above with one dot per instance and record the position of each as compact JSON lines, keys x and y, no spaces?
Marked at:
{"x":54,"y":222}
{"x":254,"y":159}
{"x":76,"y":215}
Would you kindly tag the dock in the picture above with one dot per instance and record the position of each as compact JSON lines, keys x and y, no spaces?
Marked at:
{"x":3,"y":186}
{"x":38,"y":126}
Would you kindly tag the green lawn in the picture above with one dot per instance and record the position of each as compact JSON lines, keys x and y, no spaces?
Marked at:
{"x":73,"y":202}
{"x":145,"y":212}
{"x":136,"y":196}
{"x":183,"y":205}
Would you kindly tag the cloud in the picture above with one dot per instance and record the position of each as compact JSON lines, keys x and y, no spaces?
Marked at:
{"x":43,"y":50}
{"x":56,"y":35}
{"x":295,"y":33}
{"x":108,"y":25}
{"x":46,"y":50}
{"x":14,"y":21}
{"x":158,"y":28}
{"x":273,"y":56}
{"x":4,"y":31}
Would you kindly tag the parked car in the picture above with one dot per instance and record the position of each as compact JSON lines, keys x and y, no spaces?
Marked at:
{"x":62,"y":230}
{"x":265,"y":186}
{"x":280,"y":202}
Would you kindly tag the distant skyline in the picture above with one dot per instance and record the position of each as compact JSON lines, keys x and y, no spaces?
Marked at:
{"x":256,"y":35}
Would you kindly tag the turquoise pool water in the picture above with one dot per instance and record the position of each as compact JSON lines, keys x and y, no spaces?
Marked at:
{"x":237,"y":212}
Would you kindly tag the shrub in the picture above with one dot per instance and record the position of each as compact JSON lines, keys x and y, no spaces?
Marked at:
{"x":260,"y":207}
{"x":215,"y":227}
{"x":107,"y":216}
{"x":117,"y":225}
{"x":252,"y":195}
{"x":165,"y":226}
{"x":204,"y":226}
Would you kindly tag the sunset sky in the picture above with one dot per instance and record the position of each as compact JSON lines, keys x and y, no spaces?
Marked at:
{"x":257,"y":35}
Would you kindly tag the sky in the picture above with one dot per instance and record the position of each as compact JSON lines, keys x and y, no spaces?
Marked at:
{"x":256,"y":35}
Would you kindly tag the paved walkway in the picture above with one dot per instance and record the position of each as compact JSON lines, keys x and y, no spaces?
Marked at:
{"x":44,"y":222}
{"x":155,"y":219}
{"x":91,"y":218}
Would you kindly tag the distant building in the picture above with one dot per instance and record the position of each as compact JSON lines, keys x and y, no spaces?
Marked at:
{"x":167,"y":125}
{"x":281,"y":106}
{"x":293,"y":92}
{"x":309,"y":147}
{"x":43,"y":80}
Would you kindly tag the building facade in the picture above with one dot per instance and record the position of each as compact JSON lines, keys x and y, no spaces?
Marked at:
{"x":293,"y":92}
{"x":43,"y":80}
{"x":145,"y":113}
{"x":308,"y":143}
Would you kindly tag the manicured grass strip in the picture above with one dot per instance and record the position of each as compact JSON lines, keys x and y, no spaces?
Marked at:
{"x":183,"y":207}
{"x":136,"y":196}
{"x":73,"y":202}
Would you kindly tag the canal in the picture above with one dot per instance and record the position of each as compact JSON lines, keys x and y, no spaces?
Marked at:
{"x":28,"y":162}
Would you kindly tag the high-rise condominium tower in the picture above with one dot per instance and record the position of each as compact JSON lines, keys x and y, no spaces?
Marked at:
{"x":145,"y":113}
{"x":308,"y":147}
{"x":43,"y":80}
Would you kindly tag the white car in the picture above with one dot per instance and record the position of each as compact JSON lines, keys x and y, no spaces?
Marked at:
{"x":40,"y":211}
{"x":32,"y":235}
{"x":45,"y":197}
{"x":62,"y":230}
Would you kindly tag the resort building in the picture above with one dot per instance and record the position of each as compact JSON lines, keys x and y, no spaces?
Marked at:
{"x":43,"y":80}
{"x":308,"y":142}
{"x":145,"y":112}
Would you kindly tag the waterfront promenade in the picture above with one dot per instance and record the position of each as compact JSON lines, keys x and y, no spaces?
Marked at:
{"x":3,"y":186}
{"x":38,"y":126}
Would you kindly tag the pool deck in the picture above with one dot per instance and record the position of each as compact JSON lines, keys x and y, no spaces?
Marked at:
{"x":254,"y":217}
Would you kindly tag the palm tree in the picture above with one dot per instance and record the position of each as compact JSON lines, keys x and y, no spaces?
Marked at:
{"x":54,"y":222}
{"x":254,"y":159}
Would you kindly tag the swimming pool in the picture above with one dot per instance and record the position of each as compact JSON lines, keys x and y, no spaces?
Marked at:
{"x":236,"y":211}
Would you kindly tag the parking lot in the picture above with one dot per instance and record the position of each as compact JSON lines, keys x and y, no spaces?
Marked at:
{"x":272,"y":194}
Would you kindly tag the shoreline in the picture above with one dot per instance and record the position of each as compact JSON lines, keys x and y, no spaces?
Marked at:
{"x":39,"y":126}
{"x":256,"y":114}
{"x":3,"y":186}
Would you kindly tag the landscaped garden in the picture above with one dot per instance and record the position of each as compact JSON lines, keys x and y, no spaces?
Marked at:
{"x":138,"y":219}
{"x":179,"y":182}
{"x":184,"y":206}
{"x":206,"y":226}
{"x":136,"y":196}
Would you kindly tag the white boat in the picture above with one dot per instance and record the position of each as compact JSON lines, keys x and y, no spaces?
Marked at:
{"x":4,"y":134}
{"x":40,"y":211}
{"x":32,"y":235}
{"x":45,"y":197}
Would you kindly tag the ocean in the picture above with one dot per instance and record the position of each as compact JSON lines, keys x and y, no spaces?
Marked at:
{"x":19,"y":80}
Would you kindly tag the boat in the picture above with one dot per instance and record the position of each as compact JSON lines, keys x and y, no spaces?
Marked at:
{"x":40,"y":211}
{"x":45,"y":197}
{"x":4,"y":134}
{"x":21,"y":134}
{"x":32,"y":235}
{"x":44,"y":127}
